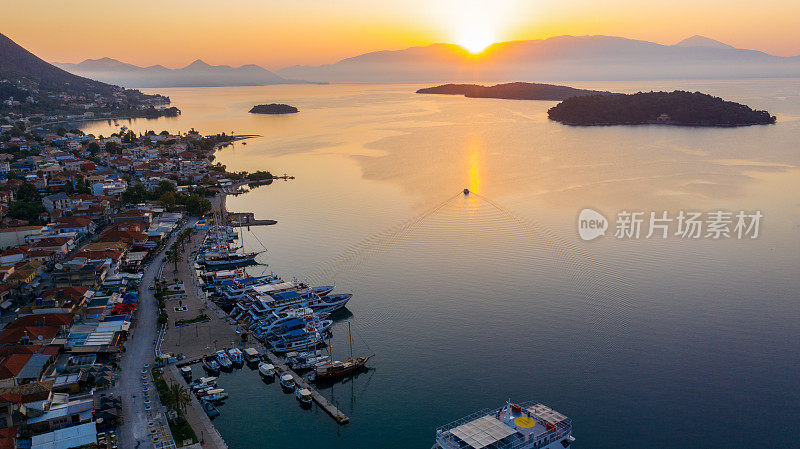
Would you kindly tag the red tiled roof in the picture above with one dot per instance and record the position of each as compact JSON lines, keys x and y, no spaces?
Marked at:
{"x":12,"y":364}
{"x":51,"y":241}
{"x":48,"y":333}
{"x":47,"y":319}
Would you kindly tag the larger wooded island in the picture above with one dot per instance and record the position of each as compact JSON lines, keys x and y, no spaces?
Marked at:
{"x":659,"y":108}
{"x":273,"y":108}
{"x":511,"y":91}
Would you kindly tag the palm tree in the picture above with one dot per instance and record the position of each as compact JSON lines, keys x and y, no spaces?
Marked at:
{"x":179,"y":397}
{"x":174,"y":256}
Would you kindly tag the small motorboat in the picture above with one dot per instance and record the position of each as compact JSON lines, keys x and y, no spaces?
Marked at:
{"x":251,"y":355}
{"x":287,"y":382}
{"x":215,"y":397}
{"x":209,"y":408}
{"x":223,"y":359}
{"x":267,"y":370}
{"x":303,"y":395}
{"x":210,"y":365}
{"x":236,"y":356}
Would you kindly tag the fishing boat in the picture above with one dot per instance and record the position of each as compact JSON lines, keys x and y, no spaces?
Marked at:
{"x":209,"y":408}
{"x":186,"y":372}
{"x":287,"y":381}
{"x":236,"y":356}
{"x":306,"y":360}
{"x":251,"y":355}
{"x":210,"y":364}
{"x":303,"y":395}
{"x":223,"y":359}
{"x":267,"y":370}
{"x":527,"y":425}
{"x":335,"y":369}
{"x":215,"y":397}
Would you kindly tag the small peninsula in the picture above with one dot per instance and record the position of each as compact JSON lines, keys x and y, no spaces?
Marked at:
{"x":511,"y":91}
{"x":273,"y":108}
{"x":679,"y":108}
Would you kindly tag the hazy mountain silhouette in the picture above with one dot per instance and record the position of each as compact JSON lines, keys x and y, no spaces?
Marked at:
{"x":702,"y":41}
{"x":196,"y":74}
{"x":555,"y":58}
{"x":22,"y":67}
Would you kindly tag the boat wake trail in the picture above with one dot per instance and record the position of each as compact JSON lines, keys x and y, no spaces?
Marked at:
{"x":475,"y":234}
{"x":578,"y":263}
{"x":356,"y":254}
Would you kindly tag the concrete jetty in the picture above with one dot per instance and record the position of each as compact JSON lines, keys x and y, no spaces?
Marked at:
{"x":321,"y":400}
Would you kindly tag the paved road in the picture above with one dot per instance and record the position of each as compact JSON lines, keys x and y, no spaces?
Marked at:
{"x":134,"y":433}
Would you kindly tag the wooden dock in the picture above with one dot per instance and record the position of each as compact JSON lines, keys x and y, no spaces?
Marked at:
{"x":321,"y":400}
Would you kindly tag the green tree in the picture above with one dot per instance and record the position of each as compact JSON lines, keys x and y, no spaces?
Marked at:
{"x":113,"y":148}
{"x":168,"y":200}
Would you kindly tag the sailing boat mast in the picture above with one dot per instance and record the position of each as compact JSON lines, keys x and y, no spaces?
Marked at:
{"x":350,"y":337}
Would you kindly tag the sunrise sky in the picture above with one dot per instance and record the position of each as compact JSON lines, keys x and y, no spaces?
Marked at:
{"x":275,"y":34}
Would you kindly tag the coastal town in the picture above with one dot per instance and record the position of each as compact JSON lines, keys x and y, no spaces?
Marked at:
{"x":87,"y":225}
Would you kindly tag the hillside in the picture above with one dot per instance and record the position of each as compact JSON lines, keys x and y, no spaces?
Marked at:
{"x":510,"y":91}
{"x":18,"y":64}
{"x":656,"y":108}
{"x":29,"y":85}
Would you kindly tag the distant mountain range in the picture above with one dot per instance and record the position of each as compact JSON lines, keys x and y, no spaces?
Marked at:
{"x":196,"y":74}
{"x":32,"y":86}
{"x":555,"y":58}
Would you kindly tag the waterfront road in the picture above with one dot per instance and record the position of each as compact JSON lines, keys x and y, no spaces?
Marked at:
{"x":140,"y":350}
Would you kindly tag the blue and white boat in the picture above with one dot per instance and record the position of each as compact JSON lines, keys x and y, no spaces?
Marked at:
{"x":210,"y":364}
{"x":527,"y":425}
{"x":236,"y":356}
{"x":223,"y":359}
{"x":296,"y":340}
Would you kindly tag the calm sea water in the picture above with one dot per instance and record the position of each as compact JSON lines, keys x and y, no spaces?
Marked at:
{"x":469,"y":300}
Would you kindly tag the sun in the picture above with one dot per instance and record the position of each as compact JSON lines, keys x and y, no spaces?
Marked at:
{"x":475,"y":40}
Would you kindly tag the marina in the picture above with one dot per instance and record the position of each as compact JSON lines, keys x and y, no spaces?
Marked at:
{"x":467,"y":304}
{"x":283,"y":316}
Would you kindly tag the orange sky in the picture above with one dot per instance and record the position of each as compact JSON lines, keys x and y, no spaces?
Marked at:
{"x":280,"y":33}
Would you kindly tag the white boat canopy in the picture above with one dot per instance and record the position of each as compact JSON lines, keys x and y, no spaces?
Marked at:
{"x":482,"y":432}
{"x":270,"y":288}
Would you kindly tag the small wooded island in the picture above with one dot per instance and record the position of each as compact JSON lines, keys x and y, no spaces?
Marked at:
{"x":511,"y":91}
{"x":678,"y":108}
{"x":273,"y":108}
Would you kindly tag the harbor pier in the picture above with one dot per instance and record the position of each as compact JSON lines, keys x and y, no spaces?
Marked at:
{"x":321,"y":400}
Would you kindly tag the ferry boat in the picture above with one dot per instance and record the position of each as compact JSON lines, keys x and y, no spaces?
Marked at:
{"x":296,"y":340}
{"x":210,"y":364}
{"x":228,"y":260}
{"x":527,"y":425}
{"x":267,"y":370}
{"x":223,"y":359}
{"x":236,"y":356}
